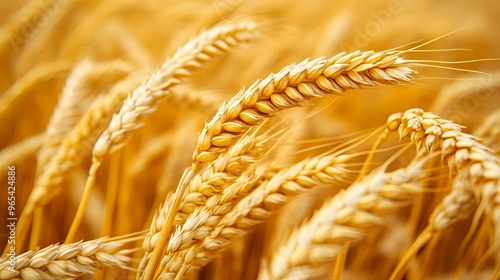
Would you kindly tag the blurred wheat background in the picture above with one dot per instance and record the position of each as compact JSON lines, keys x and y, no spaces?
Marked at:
{"x":67,"y":66}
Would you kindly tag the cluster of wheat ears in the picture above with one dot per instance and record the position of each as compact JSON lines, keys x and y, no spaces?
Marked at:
{"x":134,"y":159}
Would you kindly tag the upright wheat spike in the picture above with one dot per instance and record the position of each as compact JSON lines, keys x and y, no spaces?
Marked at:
{"x":144,"y":100}
{"x":476,"y":164}
{"x":344,"y":219}
{"x":292,"y":86}
{"x":256,"y":207}
{"x":68,"y":261}
{"x":478,"y":169}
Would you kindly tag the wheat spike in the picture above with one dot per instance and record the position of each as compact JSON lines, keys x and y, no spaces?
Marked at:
{"x":289,"y":88}
{"x":76,"y":145}
{"x":476,"y":163}
{"x":68,"y":261}
{"x":266,"y":198}
{"x":489,"y":130}
{"x":342,"y":220}
{"x":456,"y":206}
{"x":142,"y":101}
{"x":14,"y":33}
{"x":214,"y":180}
{"x":294,"y":85}
{"x":75,"y":98}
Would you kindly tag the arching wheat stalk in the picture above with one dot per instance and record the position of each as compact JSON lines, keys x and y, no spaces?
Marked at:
{"x":144,"y":100}
{"x":266,"y":198}
{"x":68,"y":261}
{"x":291,"y":87}
{"x":344,"y":219}
{"x":477,"y":166}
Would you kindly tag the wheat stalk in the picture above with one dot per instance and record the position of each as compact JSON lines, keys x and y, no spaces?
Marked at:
{"x":14,"y":32}
{"x":266,"y":198}
{"x":76,"y":145}
{"x":68,"y":261}
{"x":210,"y":184}
{"x":291,"y":87}
{"x":476,"y":164}
{"x":294,"y":85}
{"x":142,"y":102}
{"x":75,"y":98}
{"x":344,"y":219}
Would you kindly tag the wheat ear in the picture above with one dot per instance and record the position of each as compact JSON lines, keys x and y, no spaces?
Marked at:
{"x":292,"y":86}
{"x":476,"y":164}
{"x":76,"y":145}
{"x":68,"y":261}
{"x":77,"y":94}
{"x":343,"y":220}
{"x":211,"y":181}
{"x":256,"y":207}
{"x":75,"y":98}
{"x":14,"y":32}
{"x":144,"y":100}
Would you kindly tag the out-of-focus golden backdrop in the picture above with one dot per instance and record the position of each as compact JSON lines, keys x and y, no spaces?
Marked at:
{"x":42,"y":42}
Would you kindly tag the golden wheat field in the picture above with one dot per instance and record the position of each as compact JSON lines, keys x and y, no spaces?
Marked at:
{"x":232,"y":139}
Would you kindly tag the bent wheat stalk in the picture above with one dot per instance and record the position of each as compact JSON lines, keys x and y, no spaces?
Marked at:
{"x":75,"y":98}
{"x":144,"y":100}
{"x":211,"y":181}
{"x":256,"y":207}
{"x":291,"y":87}
{"x":68,"y":261}
{"x":476,"y":164}
{"x":343,"y":220}
{"x":76,"y":145}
